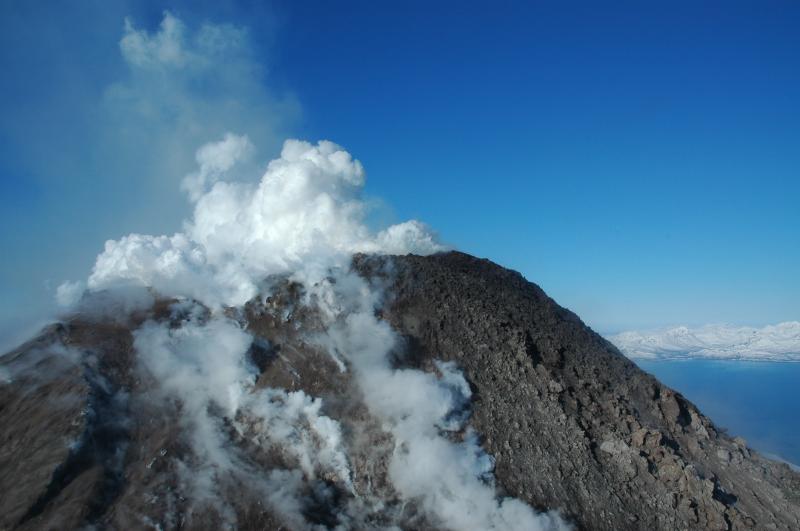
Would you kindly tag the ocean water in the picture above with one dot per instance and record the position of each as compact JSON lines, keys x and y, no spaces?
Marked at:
{"x":759,"y":401}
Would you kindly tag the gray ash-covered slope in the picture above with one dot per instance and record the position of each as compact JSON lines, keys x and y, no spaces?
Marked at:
{"x":573,"y":425}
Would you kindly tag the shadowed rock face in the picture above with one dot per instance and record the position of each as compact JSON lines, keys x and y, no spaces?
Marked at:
{"x":573,"y":425}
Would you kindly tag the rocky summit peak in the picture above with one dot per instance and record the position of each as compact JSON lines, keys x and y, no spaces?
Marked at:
{"x":437,"y":392}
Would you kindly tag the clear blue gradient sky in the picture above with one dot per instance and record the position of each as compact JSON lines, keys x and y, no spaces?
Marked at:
{"x":641,"y":161}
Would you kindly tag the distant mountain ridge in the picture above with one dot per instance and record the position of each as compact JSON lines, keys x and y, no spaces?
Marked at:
{"x":780,"y":342}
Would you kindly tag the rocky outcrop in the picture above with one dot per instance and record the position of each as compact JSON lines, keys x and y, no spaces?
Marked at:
{"x":572,"y":424}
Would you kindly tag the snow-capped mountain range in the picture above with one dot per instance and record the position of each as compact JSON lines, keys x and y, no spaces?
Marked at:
{"x":780,"y":342}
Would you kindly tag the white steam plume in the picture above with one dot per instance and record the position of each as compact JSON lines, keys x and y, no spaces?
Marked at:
{"x":305,"y":214}
{"x":305,"y":219}
{"x":203,"y":364}
{"x":453,"y":480}
{"x":118,"y":146}
{"x":69,"y":293}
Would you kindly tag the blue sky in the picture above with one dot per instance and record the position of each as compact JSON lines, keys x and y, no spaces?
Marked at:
{"x":640,"y":162}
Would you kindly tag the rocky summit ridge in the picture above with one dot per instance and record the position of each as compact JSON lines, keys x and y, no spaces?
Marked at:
{"x":567,"y":422}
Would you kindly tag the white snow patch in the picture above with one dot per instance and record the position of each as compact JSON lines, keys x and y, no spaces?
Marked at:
{"x":780,"y":342}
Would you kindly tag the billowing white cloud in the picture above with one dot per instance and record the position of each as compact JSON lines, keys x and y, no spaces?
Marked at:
{"x":780,"y":342}
{"x":407,"y":237}
{"x":214,"y":160}
{"x":306,"y":214}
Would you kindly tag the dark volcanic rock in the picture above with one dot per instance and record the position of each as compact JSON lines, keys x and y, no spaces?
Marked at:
{"x":573,"y":424}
